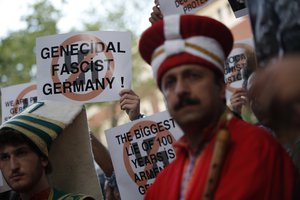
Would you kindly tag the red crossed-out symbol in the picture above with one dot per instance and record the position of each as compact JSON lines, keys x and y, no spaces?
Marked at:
{"x":21,"y":95}
{"x":108,"y":54}
{"x":154,"y":150}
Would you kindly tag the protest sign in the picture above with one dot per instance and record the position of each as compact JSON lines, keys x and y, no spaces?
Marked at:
{"x":16,"y":98}
{"x":238,"y":7}
{"x":140,"y":150}
{"x":83,"y":67}
{"x":240,"y":63}
{"x":170,"y":7}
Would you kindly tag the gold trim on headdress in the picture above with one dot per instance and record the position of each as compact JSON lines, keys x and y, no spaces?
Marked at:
{"x":195,"y":47}
{"x":39,"y":142}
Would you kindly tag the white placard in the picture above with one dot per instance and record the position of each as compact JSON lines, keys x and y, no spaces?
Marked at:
{"x":140,"y":150}
{"x":16,"y":98}
{"x":83,"y":67}
{"x":240,"y":59}
{"x":171,"y":7}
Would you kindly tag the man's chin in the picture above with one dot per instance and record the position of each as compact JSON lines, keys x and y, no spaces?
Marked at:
{"x":188,"y":119}
{"x":19,"y":187}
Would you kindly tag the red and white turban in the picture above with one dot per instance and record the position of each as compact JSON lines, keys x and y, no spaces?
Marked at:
{"x":185,"y":39}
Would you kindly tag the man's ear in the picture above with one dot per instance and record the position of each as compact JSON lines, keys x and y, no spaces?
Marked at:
{"x":44,"y":161}
{"x":222,"y":86}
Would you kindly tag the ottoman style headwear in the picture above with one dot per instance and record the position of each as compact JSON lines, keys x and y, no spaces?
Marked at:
{"x":185,"y":39}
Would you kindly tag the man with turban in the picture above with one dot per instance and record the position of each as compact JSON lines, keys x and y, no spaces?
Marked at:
{"x":220,"y":156}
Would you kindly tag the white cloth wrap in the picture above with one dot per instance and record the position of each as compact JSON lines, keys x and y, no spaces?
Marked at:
{"x":176,"y":46}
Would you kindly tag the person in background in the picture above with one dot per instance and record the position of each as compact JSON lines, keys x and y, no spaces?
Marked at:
{"x":280,"y":98}
{"x":239,"y":100}
{"x":25,"y":140}
{"x":103,"y":159}
{"x":219,"y":156}
{"x":254,"y":92}
{"x":242,"y":102}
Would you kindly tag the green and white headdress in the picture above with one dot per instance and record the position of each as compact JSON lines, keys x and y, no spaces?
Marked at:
{"x":42,"y":122}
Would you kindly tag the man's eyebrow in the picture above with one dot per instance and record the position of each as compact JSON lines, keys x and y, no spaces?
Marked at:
{"x":22,"y":148}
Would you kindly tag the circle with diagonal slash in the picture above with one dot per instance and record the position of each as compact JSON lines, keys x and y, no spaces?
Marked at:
{"x":22,"y":94}
{"x":110,"y":70}
{"x":155,"y":148}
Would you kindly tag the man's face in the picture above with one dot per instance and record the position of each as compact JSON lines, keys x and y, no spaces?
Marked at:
{"x":192,"y":95}
{"x":21,"y":167}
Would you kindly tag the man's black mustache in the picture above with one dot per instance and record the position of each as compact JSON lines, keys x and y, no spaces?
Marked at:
{"x":185,"y":100}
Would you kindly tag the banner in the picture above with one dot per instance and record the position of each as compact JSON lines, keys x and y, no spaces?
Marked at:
{"x":240,"y":63}
{"x":16,"y":98}
{"x":170,"y":7}
{"x":140,"y":150}
{"x":83,"y":67}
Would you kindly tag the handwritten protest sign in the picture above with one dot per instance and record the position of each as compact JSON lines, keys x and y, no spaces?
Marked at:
{"x":239,"y":65}
{"x":140,"y":150}
{"x":83,"y":67}
{"x":170,"y":7}
{"x":16,"y":98}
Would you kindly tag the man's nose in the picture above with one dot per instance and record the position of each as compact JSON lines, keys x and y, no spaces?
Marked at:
{"x":182,"y":87}
{"x":14,"y":163}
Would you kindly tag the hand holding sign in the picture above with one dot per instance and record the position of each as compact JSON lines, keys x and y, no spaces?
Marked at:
{"x":156,"y":14}
{"x":130,"y":102}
